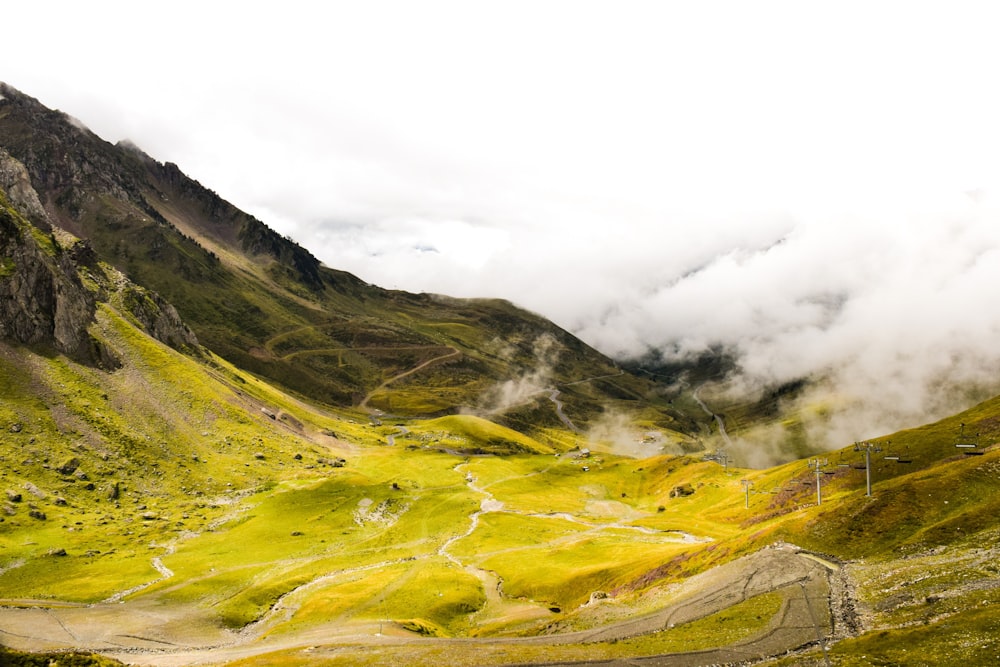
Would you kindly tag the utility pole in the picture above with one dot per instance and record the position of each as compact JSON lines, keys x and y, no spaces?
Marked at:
{"x":816,"y":464}
{"x":867,"y":448}
{"x":746,"y":488}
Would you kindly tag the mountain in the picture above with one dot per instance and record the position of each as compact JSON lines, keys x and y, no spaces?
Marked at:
{"x":292,"y":479}
{"x":266,"y":304}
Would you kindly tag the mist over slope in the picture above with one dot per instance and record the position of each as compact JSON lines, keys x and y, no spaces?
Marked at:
{"x":267,"y":304}
{"x":877,"y":301}
{"x":888,"y":313}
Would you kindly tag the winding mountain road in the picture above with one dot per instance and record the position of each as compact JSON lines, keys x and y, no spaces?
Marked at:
{"x":554,"y":397}
{"x":455,"y":352}
{"x":717,"y":417}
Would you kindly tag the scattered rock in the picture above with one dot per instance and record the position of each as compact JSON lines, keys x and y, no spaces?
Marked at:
{"x":60,"y":501}
{"x":69,"y":466}
{"x":114,"y":491}
{"x":34,"y":490}
{"x":149,"y":516}
{"x":681,"y":491}
{"x":37,"y":514}
{"x":334,"y":463}
{"x":57,"y":552}
{"x":16,"y":428}
{"x":14,"y":496}
{"x":298,"y":457}
{"x":259,"y":456}
{"x":9,"y":509}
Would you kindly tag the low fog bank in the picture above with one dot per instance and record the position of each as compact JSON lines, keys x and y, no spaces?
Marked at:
{"x":891,"y":314}
{"x":887,"y":309}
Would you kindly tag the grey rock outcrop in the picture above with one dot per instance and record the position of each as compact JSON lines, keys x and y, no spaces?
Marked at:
{"x":15,"y":182}
{"x":42,"y":299}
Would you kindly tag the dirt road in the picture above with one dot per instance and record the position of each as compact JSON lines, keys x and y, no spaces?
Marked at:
{"x":144,"y":633}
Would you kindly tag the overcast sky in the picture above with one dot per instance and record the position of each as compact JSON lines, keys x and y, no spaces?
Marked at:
{"x":815,"y":184}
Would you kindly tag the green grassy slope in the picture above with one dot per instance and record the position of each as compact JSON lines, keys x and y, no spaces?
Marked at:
{"x":267,"y":305}
{"x":326,"y":483}
{"x":249,"y":496}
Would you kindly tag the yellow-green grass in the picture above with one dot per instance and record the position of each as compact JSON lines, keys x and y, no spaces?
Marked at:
{"x":181,"y":440}
{"x":10,"y":658}
{"x":205,"y":392}
{"x":415,"y":400}
{"x":348,"y":593}
{"x":503,"y":532}
{"x":77,"y":578}
{"x":565,"y":573}
{"x":299,"y":523}
{"x":729,"y":626}
{"x":552,"y":484}
{"x":472,"y":432}
{"x":616,"y":488}
{"x":908,"y":513}
{"x":296,"y":532}
{"x":162,"y":431}
{"x":559,"y":439}
{"x":737,"y":623}
{"x":433,"y":592}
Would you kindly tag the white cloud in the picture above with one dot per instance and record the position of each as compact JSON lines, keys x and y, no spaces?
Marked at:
{"x":784,"y":177}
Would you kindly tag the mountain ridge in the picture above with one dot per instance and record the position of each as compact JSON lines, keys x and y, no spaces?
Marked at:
{"x":242,"y":287}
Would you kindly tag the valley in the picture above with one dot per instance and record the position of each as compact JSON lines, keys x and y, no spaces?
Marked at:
{"x":215,"y":450}
{"x":307,"y":539}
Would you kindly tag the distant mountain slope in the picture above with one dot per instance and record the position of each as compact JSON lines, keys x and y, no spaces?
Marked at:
{"x":268,"y":305}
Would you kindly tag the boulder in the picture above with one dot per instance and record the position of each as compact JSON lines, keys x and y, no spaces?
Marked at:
{"x":681,"y":490}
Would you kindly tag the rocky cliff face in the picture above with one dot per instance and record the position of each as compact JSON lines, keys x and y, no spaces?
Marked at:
{"x":44,"y":301}
{"x":157,"y":317}
{"x":14,"y":180}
